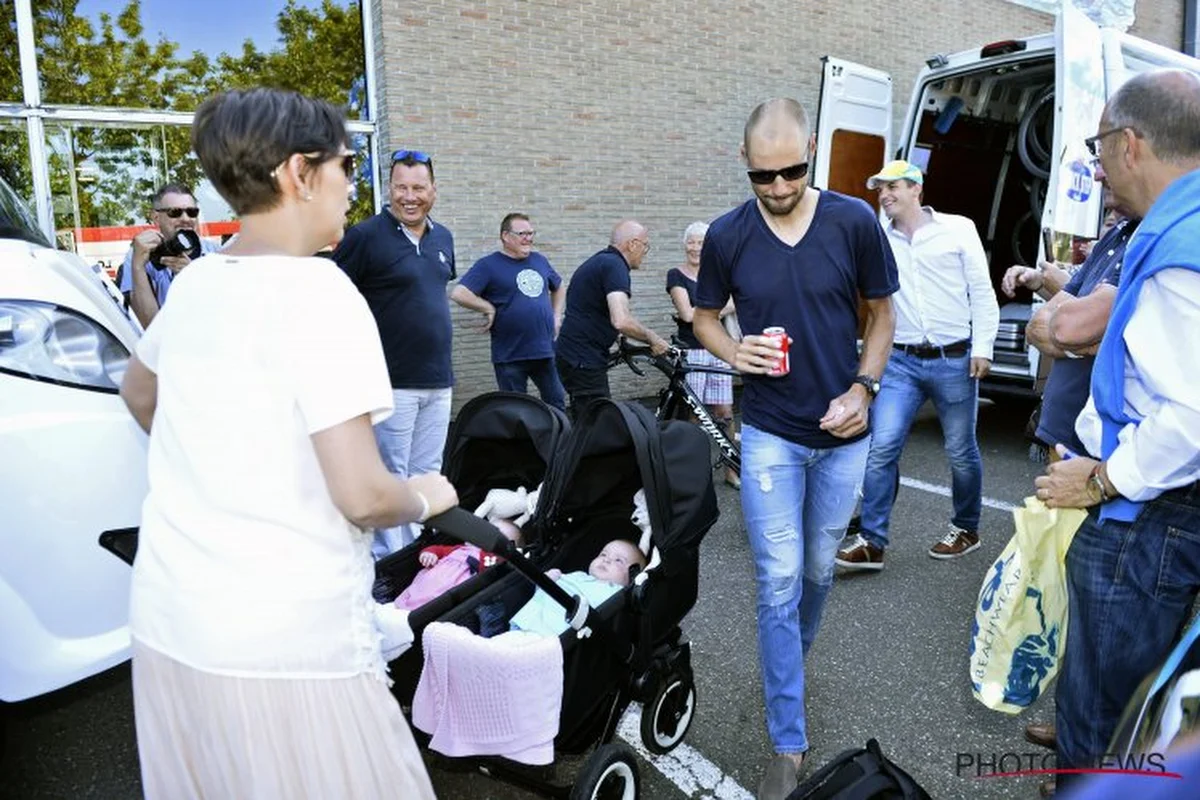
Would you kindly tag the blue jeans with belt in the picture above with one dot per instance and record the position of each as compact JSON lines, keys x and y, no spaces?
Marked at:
{"x":907,"y":383}
{"x":1130,"y":589}
{"x":796,"y":502}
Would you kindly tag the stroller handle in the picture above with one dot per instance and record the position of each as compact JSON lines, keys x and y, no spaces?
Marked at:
{"x":462,"y":524}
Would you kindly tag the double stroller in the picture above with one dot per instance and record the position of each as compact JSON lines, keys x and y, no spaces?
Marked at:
{"x":630,"y":647}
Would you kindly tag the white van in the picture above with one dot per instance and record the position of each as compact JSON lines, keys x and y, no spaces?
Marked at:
{"x":999,"y":132}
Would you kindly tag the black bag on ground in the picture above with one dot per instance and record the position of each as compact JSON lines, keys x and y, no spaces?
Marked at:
{"x":864,"y":774}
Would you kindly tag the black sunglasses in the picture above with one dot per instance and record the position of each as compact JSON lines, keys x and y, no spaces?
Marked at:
{"x":411,"y":155}
{"x":765,"y":176}
{"x":176,"y":213}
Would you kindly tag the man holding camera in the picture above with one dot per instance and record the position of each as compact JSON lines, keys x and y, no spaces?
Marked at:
{"x":157,"y":254}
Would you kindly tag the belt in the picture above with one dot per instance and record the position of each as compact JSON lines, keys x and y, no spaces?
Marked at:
{"x":954,"y":349}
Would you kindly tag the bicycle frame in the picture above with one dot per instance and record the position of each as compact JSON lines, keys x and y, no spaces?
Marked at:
{"x":674,"y":365}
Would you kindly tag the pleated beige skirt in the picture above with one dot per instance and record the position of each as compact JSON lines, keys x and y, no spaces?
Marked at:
{"x":215,"y":737}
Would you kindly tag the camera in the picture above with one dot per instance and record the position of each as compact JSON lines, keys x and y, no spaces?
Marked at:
{"x":183,"y":243}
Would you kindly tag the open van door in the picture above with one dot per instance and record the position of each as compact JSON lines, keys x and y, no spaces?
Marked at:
{"x":854,"y":128}
{"x":1074,"y":201}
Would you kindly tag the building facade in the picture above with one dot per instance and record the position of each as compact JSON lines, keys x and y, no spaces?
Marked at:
{"x":576,"y":112}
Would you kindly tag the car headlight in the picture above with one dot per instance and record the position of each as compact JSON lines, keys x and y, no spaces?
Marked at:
{"x":47,"y":342}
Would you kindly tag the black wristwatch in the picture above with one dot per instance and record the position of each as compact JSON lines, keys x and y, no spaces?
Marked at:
{"x":870,"y":384}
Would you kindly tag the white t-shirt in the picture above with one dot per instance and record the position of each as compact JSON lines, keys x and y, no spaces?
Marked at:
{"x":245,"y":566}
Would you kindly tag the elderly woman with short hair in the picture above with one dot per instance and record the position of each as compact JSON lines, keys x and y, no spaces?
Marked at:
{"x":714,"y":390}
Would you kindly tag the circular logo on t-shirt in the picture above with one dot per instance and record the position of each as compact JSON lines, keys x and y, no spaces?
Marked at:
{"x":530,"y":282}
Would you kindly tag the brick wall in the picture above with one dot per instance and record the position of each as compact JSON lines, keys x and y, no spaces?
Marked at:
{"x":583,"y":112}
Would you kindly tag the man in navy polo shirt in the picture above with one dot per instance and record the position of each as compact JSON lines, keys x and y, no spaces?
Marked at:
{"x":801,"y":259}
{"x":401,"y":261}
{"x":597,"y":310}
{"x":521,"y":298}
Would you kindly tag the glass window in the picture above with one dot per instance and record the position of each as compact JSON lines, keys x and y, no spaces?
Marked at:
{"x":168,"y":55}
{"x":14,"y":158}
{"x":103,"y":176}
{"x":10,"y":58}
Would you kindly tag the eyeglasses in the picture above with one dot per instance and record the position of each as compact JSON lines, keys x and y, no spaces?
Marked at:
{"x":764,"y":176}
{"x":645,"y":245}
{"x":411,"y":155}
{"x":176,"y":213}
{"x":523,"y":234}
{"x":1093,"y":142}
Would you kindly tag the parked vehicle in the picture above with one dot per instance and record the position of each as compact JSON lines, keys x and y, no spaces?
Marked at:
{"x":999,"y":132}
{"x":72,"y":464}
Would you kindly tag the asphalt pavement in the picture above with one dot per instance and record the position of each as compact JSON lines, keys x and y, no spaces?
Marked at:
{"x":890,"y":662}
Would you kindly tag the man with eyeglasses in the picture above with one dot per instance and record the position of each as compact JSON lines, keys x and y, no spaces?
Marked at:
{"x":1133,"y":567}
{"x":946,"y":324}
{"x":401,"y":261}
{"x":597,"y":310}
{"x":144,"y":282}
{"x":521,"y":298}
{"x":799,"y":259}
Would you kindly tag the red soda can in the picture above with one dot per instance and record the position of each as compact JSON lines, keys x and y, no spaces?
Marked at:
{"x":784,"y":366}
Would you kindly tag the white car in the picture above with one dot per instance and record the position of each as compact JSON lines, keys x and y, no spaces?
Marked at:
{"x":72,"y":464}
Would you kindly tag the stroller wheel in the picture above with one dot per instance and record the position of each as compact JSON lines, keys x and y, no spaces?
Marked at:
{"x":667,"y":717}
{"x":611,"y":773}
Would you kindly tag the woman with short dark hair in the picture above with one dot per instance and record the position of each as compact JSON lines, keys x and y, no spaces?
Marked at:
{"x":257,"y":670}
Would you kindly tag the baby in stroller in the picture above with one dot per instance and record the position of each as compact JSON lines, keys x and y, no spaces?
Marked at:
{"x":606,"y":575}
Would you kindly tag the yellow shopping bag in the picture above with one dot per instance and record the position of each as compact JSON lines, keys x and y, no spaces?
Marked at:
{"x":1021,"y":615}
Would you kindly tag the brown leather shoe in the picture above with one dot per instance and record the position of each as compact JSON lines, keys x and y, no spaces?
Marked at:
{"x":957,"y":542}
{"x":1041,"y":734}
{"x":1047,"y":788}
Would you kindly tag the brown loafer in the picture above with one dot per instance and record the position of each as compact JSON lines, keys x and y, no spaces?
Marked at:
{"x":1041,"y":734}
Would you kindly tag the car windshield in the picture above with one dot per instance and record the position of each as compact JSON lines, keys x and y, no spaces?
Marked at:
{"x":15,"y":220}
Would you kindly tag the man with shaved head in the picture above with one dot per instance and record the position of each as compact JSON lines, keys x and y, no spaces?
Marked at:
{"x":597,"y":310}
{"x":1133,"y":568}
{"x":802,"y":259}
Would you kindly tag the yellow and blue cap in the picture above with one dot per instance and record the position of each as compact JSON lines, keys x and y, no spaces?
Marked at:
{"x":896,"y":171}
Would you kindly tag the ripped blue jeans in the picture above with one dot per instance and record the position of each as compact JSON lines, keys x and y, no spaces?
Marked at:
{"x":796,"y":502}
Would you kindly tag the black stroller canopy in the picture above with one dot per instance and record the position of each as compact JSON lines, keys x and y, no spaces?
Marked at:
{"x":614,"y":441}
{"x":501,"y":440}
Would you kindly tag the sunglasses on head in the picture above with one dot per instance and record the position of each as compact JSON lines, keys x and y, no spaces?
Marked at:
{"x":411,"y":155}
{"x":176,"y":213}
{"x":764,"y":176}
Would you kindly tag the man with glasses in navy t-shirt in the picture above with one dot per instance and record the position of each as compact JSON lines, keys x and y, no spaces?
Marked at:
{"x":521,"y":298}
{"x":801,"y":259}
{"x":401,"y":262}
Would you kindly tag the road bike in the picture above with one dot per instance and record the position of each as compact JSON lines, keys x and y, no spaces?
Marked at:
{"x":677,"y":400}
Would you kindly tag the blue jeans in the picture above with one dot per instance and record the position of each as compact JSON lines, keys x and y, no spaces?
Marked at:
{"x":513,"y":376}
{"x":907,"y":383}
{"x":411,"y":442}
{"x":796,"y":502}
{"x":1130,"y":588}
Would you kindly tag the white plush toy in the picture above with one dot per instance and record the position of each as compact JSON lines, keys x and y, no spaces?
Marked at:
{"x":641,"y":518}
{"x":516,"y":505}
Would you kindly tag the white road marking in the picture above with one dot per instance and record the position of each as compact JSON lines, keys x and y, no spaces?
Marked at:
{"x":685,"y":766}
{"x":944,"y":491}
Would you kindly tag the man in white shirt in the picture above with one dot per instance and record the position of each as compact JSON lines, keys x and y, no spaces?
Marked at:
{"x":946,"y":323}
{"x":1133,"y":569}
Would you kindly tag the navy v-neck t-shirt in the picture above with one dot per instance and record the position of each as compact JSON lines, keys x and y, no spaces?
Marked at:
{"x":812,"y":290}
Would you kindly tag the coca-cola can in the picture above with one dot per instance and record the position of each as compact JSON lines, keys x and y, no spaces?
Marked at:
{"x":784,"y":366}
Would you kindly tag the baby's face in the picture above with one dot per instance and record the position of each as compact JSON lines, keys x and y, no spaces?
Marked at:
{"x":614,"y":561}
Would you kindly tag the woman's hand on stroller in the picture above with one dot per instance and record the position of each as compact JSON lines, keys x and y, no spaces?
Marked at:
{"x":437,"y":492}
